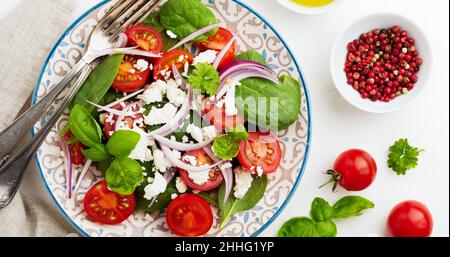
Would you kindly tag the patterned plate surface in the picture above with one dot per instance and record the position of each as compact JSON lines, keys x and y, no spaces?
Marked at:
{"x":253,"y":33}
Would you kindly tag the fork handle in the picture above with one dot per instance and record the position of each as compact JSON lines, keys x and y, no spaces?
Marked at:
{"x":12,"y":172}
{"x":15,"y":132}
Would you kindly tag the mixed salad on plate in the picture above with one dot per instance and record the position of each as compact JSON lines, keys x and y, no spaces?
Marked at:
{"x":180,"y":123}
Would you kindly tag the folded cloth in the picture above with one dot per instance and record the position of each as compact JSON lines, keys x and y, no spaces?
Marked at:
{"x":27,"y":34}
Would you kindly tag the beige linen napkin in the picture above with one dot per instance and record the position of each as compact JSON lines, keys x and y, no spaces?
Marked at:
{"x":27,"y":34}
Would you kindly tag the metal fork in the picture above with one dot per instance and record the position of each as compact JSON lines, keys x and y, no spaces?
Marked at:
{"x":122,"y":15}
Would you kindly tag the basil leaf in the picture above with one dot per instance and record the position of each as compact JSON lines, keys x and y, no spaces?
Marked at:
{"x":270,"y":106}
{"x":96,"y":153}
{"x":210,"y":199}
{"x":225,"y":147}
{"x":122,"y":143}
{"x":184,"y":17}
{"x":85,"y":129}
{"x":153,"y":21}
{"x":326,"y":228}
{"x":351,"y":206}
{"x":124,"y":175}
{"x":98,"y":83}
{"x":238,"y":134}
{"x":251,"y":56}
{"x":305,"y":227}
{"x":321,"y":210}
{"x":234,"y":205}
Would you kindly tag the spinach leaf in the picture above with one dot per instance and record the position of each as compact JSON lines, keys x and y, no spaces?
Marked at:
{"x":110,"y":97}
{"x":251,"y":56}
{"x":350,"y":206}
{"x":270,"y":106}
{"x":250,"y":199}
{"x":321,"y":210}
{"x":153,"y":21}
{"x":96,"y":153}
{"x":210,"y":199}
{"x":98,"y":83}
{"x":122,"y":143}
{"x":124,"y":175}
{"x":85,"y":129}
{"x":305,"y":227}
{"x":184,"y":17}
{"x":162,"y":201}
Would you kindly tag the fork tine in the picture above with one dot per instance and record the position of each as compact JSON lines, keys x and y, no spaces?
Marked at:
{"x":138,"y":16}
{"x":115,"y":11}
{"x":120,"y":19}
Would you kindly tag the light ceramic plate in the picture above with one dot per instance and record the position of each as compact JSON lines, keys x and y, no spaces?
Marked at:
{"x":253,"y":33}
{"x":366,"y":24}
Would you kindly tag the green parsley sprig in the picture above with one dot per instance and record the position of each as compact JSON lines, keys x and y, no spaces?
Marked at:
{"x":403,"y":156}
{"x":204,"y":78}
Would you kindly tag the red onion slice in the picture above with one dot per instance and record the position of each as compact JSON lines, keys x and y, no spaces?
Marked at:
{"x":125,"y":98}
{"x":227,"y":172}
{"x":83,"y":173}
{"x":110,"y":110}
{"x":194,"y":35}
{"x":67,"y":159}
{"x":178,"y":77}
{"x":182,"y":165}
{"x":222,"y":53}
{"x":239,"y":65}
{"x":181,"y":146}
{"x":114,"y":51}
{"x":122,"y":41}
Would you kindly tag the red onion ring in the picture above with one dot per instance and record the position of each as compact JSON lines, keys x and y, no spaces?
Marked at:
{"x":67,"y":165}
{"x":195,"y":35}
{"x":227,"y":173}
{"x":180,"y":146}
{"x":83,"y":173}
{"x":127,"y":97}
{"x":182,"y":165}
{"x":222,"y":53}
{"x":114,"y":51}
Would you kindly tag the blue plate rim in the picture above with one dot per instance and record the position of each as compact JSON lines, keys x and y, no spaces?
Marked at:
{"x":305,"y":90}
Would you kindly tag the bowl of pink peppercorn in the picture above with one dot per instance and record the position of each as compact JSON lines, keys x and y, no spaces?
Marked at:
{"x":381,"y":63}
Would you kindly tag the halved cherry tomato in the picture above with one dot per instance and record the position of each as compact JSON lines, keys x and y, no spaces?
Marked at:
{"x":129,"y":78}
{"x":76,"y":153}
{"x":146,"y":38}
{"x":218,"y":42}
{"x":172,"y":57}
{"x":107,"y":207}
{"x":261,"y":150}
{"x":110,"y":122}
{"x":189,"y":215}
{"x":410,"y":219}
{"x":218,"y":117}
{"x":215,"y":175}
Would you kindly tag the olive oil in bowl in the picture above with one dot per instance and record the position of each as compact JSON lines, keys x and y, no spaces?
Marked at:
{"x":313,"y":3}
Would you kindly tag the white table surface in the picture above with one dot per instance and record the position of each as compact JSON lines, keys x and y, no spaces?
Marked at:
{"x":337,"y":126}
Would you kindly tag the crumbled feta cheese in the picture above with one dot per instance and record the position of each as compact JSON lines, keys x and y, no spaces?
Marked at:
{"x":154,"y":93}
{"x":199,"y":178}
{"x":243,"y":182}
{"x":175,"y":95}
{"x":141,"y":65}
{"x":161,"y":163}
{"x":209,"y":133}
{"x":148,"y":218}
{"x":186,"y":70}
{"x":180,"y":185}
{"x":185,"y":139}
{"x":195,"y":192}
{"x":141,"y":152}
{"x":160,"y":116}
{"x":196,"y":132}
{"x":230,"y":104}
{"x":192,"y":160}
{"x":171,"y":34}
{"x":226,"y":165}
{"x":132,"y":71}
{"x":259,"y":171}
{"x":173,"y":196}
{"x":208,"y":56}
{"x":158,"y":186}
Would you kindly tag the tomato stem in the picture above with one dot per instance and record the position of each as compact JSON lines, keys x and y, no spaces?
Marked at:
{"x":335,"y":177}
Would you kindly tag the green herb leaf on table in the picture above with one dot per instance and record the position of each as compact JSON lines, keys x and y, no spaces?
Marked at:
{"x":184,"y":17}
{"x":268,"y":105}
{"x":96,"y":153}
{"x":403,"y":157}
{"x":321,"y":210}
{"x":235,"y":205}
{"x":98,"y":83}
{"x":351,"y":206}
{"x":251,"y":56}
{"x":124,"y":175}
{"x":305,"y":227}
{"x":84,"y":127}
{"x":204,"y":78}
{"x":122,"y":143}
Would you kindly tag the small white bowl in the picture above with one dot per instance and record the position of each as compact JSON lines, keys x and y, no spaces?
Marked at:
{"x":367,"y":24}
{"x":310,"y":10}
